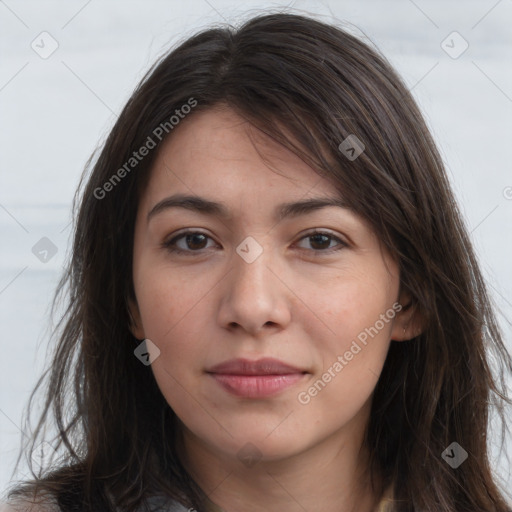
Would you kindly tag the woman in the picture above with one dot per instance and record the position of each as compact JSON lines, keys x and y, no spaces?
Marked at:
{"x":261,"y":369}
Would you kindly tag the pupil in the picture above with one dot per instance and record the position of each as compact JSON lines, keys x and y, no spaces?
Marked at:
{"x":190,"y":239}
{"x":316,"y":237}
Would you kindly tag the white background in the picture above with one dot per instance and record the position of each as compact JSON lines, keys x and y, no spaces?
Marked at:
{"x":55,"y":111}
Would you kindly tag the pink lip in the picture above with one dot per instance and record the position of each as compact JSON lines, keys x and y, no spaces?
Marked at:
{"x":255,"y":379}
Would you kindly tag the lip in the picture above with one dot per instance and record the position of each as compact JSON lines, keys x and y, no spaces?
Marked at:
{"x":264,"y":366}
{"x":255,"y":379}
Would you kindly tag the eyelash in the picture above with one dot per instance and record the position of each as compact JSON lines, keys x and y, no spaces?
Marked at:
{"x":170,"y":245}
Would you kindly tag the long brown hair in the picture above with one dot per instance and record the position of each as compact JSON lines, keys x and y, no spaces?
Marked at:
{"x":117,"y":435}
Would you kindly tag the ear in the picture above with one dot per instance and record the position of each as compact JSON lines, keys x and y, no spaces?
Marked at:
{"x":408,"y":322}
{"x":135,"y":321}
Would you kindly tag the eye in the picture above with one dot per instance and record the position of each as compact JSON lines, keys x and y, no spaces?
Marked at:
{"x":196,"y":241}
{"x":320,"y":241}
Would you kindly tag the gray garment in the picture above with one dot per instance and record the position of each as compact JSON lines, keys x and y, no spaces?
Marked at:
{"x":157,"y":505}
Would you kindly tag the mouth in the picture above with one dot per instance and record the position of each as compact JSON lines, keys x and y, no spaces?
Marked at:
{"x":255,"y":379}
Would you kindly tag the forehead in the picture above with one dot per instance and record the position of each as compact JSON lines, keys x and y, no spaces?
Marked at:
{"x":217,"y":151}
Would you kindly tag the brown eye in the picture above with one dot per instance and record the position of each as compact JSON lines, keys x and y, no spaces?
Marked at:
{"x":320,"y":241}
{"x":191,"y":241}
{"x":195,"y":240}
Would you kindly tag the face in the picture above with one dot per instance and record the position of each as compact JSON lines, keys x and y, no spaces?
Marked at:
{"x":311,"y":288}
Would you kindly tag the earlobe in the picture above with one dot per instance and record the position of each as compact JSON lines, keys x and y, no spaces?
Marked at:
{"x":409,"y":322}
{"x":135,"y":321}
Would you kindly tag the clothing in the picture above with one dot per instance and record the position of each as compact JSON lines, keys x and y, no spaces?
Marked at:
{"x":157,"y":505}
{"x":386,"y":503}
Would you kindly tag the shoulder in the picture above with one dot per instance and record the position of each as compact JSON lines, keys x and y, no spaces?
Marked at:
{"x":156,"y":504}
{"x":386,"y":503}
{"x":163,"y":504}
{"x":24,"y":505}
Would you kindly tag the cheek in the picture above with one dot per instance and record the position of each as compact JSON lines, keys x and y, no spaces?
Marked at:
{"x":170,"y":299}
{"x":351,"y":330}
{"x":173,"y":314}
{"x":348,"y":306}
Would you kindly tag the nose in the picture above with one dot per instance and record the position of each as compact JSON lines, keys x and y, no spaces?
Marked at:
{"x":254,"y":297}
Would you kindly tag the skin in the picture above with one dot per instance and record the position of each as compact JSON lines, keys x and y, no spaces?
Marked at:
{"x":299,"y":301}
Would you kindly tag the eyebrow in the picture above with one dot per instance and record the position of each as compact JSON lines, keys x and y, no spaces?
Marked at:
{"x":208,"y":207}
